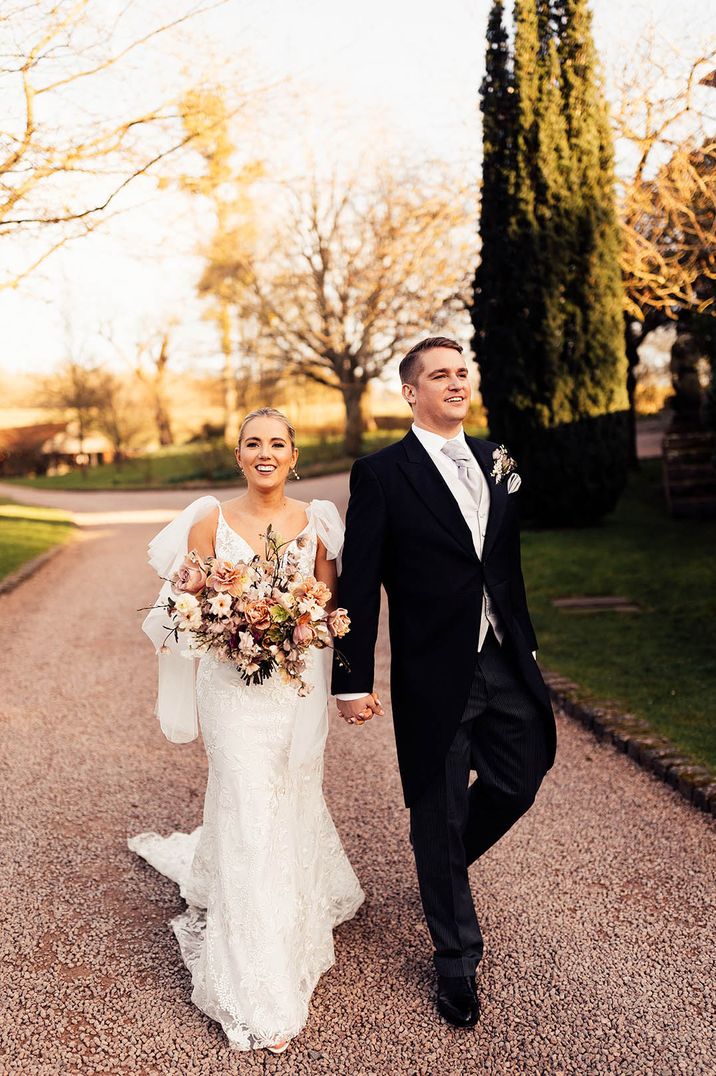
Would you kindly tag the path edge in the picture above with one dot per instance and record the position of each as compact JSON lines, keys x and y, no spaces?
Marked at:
{"x":14,"y":579}
{"x":310,"y":472}
{"x":634,"y":737}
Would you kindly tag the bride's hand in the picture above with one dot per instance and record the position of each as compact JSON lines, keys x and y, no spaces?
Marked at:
{"x":358,"y":711}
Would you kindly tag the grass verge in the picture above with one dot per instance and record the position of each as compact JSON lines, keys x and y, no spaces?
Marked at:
{"x":659,"y":664}
{"x":206,"y":463}
{"x":201,"y":464}
{"x":26,"y":532}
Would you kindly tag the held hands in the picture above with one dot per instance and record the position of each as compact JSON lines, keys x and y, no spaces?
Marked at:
{"x":358,"y":711}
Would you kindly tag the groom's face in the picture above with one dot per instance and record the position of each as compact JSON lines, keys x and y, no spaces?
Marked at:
{"x":441,"y":395}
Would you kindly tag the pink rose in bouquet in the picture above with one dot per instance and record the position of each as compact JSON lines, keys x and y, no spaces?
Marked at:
{"x":320,"y":594}
{"x":257,"y":615}
{"x":190,"y":577}
{"x":283,"y":598}
{"x":339,"y":623}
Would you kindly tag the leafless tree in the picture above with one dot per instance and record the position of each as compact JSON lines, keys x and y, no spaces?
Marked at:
{"x":75,"y":387}
{"x":119,"y":413}
{"x":355,"y":273}
{"x":151,"y":369}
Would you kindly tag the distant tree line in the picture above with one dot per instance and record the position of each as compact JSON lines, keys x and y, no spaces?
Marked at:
{"x":331,"y":279}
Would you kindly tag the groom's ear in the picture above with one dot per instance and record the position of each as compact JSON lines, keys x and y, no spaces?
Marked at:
{"x":408,"y":393}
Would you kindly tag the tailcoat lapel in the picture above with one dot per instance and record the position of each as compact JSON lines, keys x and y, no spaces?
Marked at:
{"x":498,"y":492}
{"x":429,"y":484}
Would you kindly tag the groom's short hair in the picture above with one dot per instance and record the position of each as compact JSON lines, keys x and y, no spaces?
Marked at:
{"x":411,"y":362}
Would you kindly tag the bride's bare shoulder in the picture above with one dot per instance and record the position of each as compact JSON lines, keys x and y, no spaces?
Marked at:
{"x":201,"y":535}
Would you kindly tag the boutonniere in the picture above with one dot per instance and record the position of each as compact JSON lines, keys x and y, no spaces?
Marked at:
{"x":505,"y":465}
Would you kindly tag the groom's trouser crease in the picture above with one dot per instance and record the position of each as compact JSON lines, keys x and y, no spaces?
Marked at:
{"x":502,"y":736}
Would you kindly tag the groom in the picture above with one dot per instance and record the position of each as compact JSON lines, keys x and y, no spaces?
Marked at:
{"x":434,"y":519}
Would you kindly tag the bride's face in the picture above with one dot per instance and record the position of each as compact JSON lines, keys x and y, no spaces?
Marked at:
{"x":265,"y":454}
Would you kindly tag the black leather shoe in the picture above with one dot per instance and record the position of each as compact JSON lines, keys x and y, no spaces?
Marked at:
{"x":457,"y":1000}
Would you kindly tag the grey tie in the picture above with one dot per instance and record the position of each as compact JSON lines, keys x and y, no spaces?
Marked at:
{"x":466,"y":468}
{"x":467,"y":471}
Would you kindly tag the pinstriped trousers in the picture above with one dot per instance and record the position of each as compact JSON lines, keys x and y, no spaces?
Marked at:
{"x":502,"y":737}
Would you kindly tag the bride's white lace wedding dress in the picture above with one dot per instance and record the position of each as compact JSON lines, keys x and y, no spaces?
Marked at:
{"x":265,"y":877}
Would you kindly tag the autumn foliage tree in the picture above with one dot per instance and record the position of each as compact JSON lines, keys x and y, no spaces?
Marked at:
{"x":224,"y":182}
{"x":667,"y":193}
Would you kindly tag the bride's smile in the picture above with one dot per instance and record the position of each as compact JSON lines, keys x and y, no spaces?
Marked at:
{"x":266,"y":455}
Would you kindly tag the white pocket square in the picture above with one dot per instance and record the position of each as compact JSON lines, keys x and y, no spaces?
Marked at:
{"x":513,"y":483}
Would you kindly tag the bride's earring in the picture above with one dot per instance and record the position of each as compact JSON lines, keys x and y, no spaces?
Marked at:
{"x":295,"y":474}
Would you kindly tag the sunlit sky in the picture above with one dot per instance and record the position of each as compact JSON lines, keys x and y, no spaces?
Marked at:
{"x":394,"y":77}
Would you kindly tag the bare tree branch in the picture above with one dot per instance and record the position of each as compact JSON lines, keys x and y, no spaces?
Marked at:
{"x":667,"y":198}
{"x":37,"y":159}
{"x":140,"y":41}
{"x":354,"y":274}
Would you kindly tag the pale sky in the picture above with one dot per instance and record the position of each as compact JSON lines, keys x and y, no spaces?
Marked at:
{"x":393,"y":77}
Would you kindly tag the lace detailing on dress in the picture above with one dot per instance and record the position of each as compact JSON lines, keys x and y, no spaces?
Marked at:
{"x":265,"y":877}
{"x":231,"y":546}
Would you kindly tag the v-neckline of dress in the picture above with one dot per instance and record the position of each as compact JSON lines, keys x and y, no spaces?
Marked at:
{"x":248,"y":544}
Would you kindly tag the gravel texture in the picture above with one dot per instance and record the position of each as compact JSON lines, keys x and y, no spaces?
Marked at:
{"x":598,"y":908}
{"x":14,"y":579}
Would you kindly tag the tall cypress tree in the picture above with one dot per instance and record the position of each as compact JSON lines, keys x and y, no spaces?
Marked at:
{"x":553,"y":377}
{"x":522,"y":227}
{"x":494,"y":278}
{"x":598,"y":360}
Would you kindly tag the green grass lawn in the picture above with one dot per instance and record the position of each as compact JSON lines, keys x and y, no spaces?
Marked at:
{"x":659,"y":664}
{"x":201,"y":464}
{"x":205,"y":463}
{"x":26,"y":532}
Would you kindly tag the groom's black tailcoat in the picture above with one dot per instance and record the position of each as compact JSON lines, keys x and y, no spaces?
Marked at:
{"x":405,"y":530}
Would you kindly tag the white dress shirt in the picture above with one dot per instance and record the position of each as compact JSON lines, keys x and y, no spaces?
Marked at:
{"x":475,"y":519}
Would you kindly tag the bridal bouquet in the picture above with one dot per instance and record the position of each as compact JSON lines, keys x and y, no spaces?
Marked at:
{"x":260,"y":616}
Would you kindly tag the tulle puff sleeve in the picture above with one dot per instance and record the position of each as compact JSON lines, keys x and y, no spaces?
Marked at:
{"x":168,"y":548}
{"x":329,"y":528}
{"x":176,"y":693}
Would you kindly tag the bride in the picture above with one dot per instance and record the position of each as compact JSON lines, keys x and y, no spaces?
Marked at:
{"x":265,"y":877}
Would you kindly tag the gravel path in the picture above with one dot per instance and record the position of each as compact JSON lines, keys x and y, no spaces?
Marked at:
{"x":598,"y":908}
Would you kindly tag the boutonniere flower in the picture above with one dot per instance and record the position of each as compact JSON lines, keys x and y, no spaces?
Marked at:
{"x":503,"y":465}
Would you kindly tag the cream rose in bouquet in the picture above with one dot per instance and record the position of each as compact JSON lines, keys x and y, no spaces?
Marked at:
{"x":262,"y":616}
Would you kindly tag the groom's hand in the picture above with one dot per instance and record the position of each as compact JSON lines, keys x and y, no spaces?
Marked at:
{"x":358,"y":711}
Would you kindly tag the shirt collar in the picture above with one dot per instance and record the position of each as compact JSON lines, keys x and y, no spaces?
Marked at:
{"x":433,"y":442}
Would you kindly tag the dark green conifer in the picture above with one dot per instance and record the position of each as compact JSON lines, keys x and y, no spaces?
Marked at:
{"x":547,"y":314}
{"x":494,"y":280}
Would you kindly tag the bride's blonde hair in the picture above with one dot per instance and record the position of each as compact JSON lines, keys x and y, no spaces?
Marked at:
{"x":267,"y":412}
